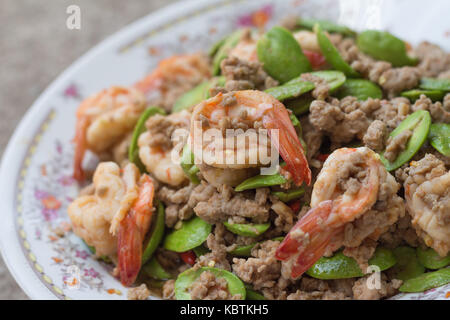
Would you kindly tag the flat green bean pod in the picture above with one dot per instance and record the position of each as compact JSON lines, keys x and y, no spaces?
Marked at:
{"x":222,"y":52}
{"x":334,"y":79}
{"x":247,"y":229}
{"x":408,"y":266}
{"x":419,"y":123}
{"x":281,"y":55}
{"x":261,"y":181}
{"x":340,"y":266}
{"x":254,"y":295}
{"x":188,"y":165}
{"x":300,"y":105}
{"x":431,"y":259}
{"x":435,"y":84}
{"x":439,"y":137}
{"x":413,"y":95}
{"x":332,"y":55}
{"x":153,"y":269}
{"x":191,"y":234}
{"x":133,"y":150}
{"x":155,"y":235}
{"x":291,"y":89}
{"x":186,"y":279}
{"x":427,"y":281}
{"x":326,"y":25}
{"x":216,"y":46}
{"x":92,"y":250}
{"x":360,"y":88}
{"x":287,"y":196}
{"x":385,"y":46}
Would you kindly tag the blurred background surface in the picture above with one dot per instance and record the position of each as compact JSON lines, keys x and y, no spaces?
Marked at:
{"x":36,"y":46}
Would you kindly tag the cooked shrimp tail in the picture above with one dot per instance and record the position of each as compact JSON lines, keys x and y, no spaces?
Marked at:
{"x":132,"y":230}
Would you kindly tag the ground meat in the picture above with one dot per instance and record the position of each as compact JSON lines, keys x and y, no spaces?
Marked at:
{"x":440,"y":112}
{"x":262,"y":270}
{"x":226,"y":203}
{"x":285,"y":216}
{"x":176,"y":201}
{"x":444,"y":75}
{"x":138,"y":293}
{"x":341,"y":120}
{"x":210,"y":287}
{"x":363,"y":253}
{"x":312,"y":137}
{"x":321,"y":89}
{"x":400,"y":233}
{"x":245,"y":75}
{"x":433,"y":60}
{"x":169,"y":260}
{"x":387,"y":288}
{"x":397,"y":144}
{"x":396,"y":80}
{"x":391,"y":112}
{"x":168,"y":290}
{"x":218,"y":255}
{"x":376,"y":135}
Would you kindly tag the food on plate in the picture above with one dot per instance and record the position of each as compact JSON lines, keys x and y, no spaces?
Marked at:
{"x":293,"y":163}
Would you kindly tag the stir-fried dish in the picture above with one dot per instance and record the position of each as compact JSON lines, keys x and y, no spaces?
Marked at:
{"x":353,"y":204}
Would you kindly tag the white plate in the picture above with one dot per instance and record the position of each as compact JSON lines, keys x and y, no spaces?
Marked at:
{"x":35,"y":183}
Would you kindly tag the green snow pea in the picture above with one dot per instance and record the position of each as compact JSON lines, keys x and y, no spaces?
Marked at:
{"x":186,"y":279}
{"x":133,"y":150}
{"x":154,"y":270}
{"x":254,"y":295}
{"x":435,"y":84}
{"x":332,"y":55}
{"x":216,"y":46}
{"x":155,"y":235}
{"x":291,"y":89}
{"x":300,"y":105}
{"x":408,"y":266}
{"x":385,"y":46}
{"x":192,"y":97}
{"x":427,"y":281}
{"x":247,"y":229}
{"x":334,"y":79}
{"x":359,"y":88}
{"x":326,"y":25}
{"x":191,"y":234}
{"x":439,"y":137}
{"x":431,"y":259}
{"x":246,"y":250}
{"x":188,"y":166}
{"x":289,"y":195}
{"x":222,"y":52}
{"x":261,"y":181}
{"x":413,"y":95}
{"x":419,"y":123}
{"x":340,"y":266}
{"x":281,"y":55}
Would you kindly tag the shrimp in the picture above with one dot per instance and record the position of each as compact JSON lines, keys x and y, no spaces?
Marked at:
{"x":247,"y":109}
{"x":132,"y":230}
{"x":427,"y":193}
{"x":246,"y":47}
{"x":116,"y":216}
{"x":346,"y":189}
{"x":173,"y":77}
{"x":159,"y":142}
{"x":103,"y":120}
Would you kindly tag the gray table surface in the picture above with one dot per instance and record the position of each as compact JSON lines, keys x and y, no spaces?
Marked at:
{"x":35,"y":46}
